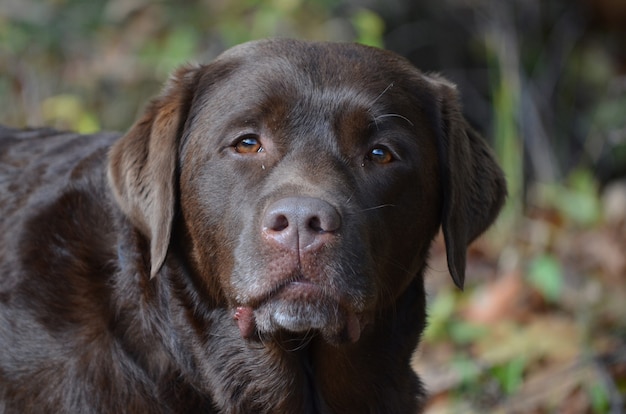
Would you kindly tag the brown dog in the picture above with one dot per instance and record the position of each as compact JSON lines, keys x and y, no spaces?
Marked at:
{"x":254,"y":244}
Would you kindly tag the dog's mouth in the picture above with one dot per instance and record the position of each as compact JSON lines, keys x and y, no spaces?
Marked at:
{"x":303,"y":308}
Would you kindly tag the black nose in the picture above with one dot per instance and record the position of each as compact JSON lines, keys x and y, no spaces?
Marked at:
{"x":300,"y":223}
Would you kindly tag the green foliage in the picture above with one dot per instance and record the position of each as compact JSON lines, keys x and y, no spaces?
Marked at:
{"x":369,"y":27}
{"x":467,"y":370}
{"x":69,"y":112}
{"x":14,"y":37}
{"x":599,"y":397}
{"x":440,"y":311}
{"x":577,"y":200}
{"x":178,"y":47}
{"x":607,"y":138}
{"x":112,"y":55}
{"x":444,"y":324}
{"x":465,"y":333}
{"x":508,"y":140}
{"x":545,"y":273}
{"x":510,"y":375}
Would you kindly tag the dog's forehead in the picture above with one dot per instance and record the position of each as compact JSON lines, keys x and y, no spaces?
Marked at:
{"x":317,"y":65}
{"x":321,"y":78}
{"x":314,"y":53}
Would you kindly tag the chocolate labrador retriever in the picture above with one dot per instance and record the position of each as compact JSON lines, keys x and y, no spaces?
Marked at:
{"x":254,"y":244}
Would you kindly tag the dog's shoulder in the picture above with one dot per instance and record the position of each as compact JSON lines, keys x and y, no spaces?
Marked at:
{"x":55,"y":213}
{"x":55,"y":210}
{"x":58,"y":245}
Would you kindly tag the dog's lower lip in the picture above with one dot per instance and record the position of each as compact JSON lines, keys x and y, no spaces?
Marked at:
{"x":302,"y":306}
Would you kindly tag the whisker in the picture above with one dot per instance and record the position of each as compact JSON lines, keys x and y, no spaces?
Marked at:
{"x":377,"y":98}
{"x":393,"y":115}
{"x":350,"y":198}
{"x":397,"y":265}
{"x":377,"y":207}
{"x":301,"y":343}
{"x":382,"y":93}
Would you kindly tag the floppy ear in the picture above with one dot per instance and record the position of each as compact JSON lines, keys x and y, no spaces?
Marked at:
{"x":473,"y":184}
{"x":142,"y":164}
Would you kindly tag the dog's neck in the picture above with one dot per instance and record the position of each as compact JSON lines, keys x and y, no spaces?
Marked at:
{"x":309,"y":375}
{"x":289,"y":374}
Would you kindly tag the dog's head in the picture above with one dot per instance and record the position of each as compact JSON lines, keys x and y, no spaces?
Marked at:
{"x":308,"y":181}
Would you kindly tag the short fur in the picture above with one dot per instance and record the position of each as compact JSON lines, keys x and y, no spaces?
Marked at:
{"x":156,"y":272}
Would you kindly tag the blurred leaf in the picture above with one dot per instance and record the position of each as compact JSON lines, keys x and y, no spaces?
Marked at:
{"x":610,"y":113}
{"x":14,"y":38}
{"x":582,"y":203}
{"x":285,"y":7}
{"x":463,"y":333}
{"x":369,"y":27}
{"x":577,"y":200}
{"x":508,"y":140}
{"x":544,"y":338}
{"x":466,"y":368}
{"x":546,"y":275}
{"x":176,"y":48}
{"x":233,"y":31}
{"x":87,"y":124}
{"x":439,"y":313}
{"x":266,"y":22}
{"x":180,"y":45}
{"x":511,"y":374}
{"x":68,"y":112}
{"x":599,"y":398}
{"x":595,"y":63}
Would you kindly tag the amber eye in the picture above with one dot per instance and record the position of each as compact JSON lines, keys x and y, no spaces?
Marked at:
{"x":380,"y":155}
{"x":248,"y":144}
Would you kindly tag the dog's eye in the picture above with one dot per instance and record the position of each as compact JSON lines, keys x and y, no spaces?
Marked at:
{"x":380,"y":155}
{"x":248,"y":144}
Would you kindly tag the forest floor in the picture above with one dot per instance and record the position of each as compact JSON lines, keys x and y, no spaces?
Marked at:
{"x":541,"y":324}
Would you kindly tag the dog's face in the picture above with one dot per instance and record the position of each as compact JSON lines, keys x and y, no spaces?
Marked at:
{"x":323,"y":192}
{"x":307,"y":180}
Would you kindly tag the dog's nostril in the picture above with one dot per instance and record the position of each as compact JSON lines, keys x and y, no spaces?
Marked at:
{"x":315,"y":224}
{"x":280,"y":223}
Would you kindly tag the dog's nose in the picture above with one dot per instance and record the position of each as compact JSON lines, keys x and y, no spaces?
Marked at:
{"x":300,"y":223}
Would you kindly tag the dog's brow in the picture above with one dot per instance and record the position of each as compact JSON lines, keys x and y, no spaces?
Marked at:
{"x":376,"y":118}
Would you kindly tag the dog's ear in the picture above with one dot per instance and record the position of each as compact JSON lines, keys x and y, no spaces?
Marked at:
{"x":142,"y":164}
{"x":473,"y":184}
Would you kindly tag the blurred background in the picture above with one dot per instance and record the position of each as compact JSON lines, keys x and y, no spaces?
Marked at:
{"x":541,"y":325}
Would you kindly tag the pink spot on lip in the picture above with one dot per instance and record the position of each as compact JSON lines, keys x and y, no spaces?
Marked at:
{"x":245,"y":321}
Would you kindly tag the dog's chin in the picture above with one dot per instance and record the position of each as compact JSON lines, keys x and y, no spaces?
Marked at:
{"x":303,"y":310}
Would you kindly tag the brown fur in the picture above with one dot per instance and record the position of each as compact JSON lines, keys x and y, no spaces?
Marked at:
{"x":152,"y":273}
